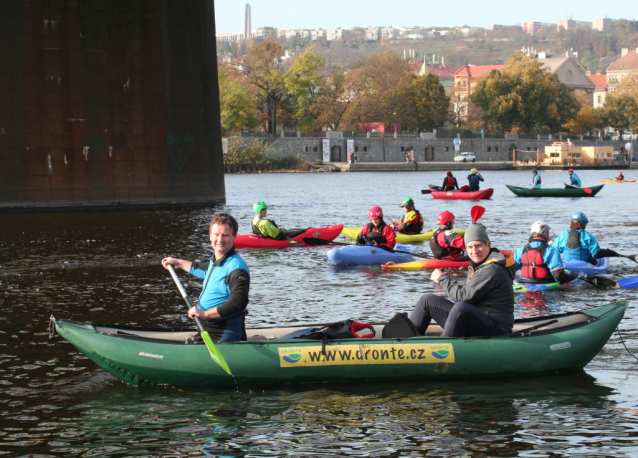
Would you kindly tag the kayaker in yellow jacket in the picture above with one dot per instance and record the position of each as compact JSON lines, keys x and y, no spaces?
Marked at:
{"x":266,"y":227}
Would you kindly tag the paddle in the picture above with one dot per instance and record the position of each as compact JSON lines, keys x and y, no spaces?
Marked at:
{"x":626,"y":283}
{"x":476,"y":212}
{"x":633,"y":257}
{"x":212,"y":348}
{"x":426,"y":191}
{"x":314,"y":241}
{"x":571,"y":186}
{"x":602,"y":282}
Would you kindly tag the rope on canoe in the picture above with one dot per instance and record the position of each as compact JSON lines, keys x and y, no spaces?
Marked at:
{"x":623,"y":343}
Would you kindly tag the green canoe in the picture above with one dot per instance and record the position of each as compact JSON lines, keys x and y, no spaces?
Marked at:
{"x":542,"y":345}
{"x":352,"y":232}
{"x":554,"y":192}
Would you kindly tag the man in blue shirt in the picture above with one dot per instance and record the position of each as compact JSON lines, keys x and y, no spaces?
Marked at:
{"x":224,"y":297}
{"x":537,"y":179}
{"x":574,"y":180}
{"x":539,"y":262}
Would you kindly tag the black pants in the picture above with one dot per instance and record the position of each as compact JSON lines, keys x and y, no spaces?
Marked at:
{"x":457,"y":320}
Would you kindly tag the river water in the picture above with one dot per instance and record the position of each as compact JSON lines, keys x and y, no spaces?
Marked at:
{"x":103,"y":267}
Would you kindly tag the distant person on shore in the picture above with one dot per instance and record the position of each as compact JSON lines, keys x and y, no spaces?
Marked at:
{"x":449,"y":182}
{"x":354,"y":158}
{"x":574,"y":180}
{"x":268,"y":228}
{"x":377,"y":232}
{"x":445,"y":243}
{"x":576,"y":244}
{"x":484,"y":305}
{"x":474,"y":178}
{"x":620,"y":176}
{"x":412,"y":221}
{"x":536,"y":179}
{"x":350,"y":156}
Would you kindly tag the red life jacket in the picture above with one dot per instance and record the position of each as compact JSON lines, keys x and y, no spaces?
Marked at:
{"x":451,"y":182}
{"x":532,"y":264}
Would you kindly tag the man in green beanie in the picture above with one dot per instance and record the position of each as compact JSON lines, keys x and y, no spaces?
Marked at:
{"x":484,"y":306}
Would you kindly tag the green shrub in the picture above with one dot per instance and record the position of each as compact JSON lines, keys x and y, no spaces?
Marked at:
{"x":252,"y":152}
{"x":319,"y":162}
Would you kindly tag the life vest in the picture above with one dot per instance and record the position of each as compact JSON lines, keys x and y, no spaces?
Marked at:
{"x":255,"y":227}
{"x":540,"y":180}
{"x":439,"y":251}
{"x":450,"y":182}
{"x":532,"y":263}
{"x":474,"y":181}
{"x":574,"y":251}
{"x":374,"y":234}
{"x":413,"y":227}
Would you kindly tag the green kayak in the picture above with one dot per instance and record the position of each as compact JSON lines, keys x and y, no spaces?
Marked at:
{"x":555,"y":192}
{"x":541,"y":345}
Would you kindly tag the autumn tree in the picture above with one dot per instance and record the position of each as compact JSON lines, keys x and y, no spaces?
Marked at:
{"x":335,"y":97}
{"x":427,"y":103}
{"x":525,"y":93}
{"x":586,"y":117}
{"x":303,"y":81}
{"x":379,"y":89}
{"x":237,"y":106}
{"x":620,"y":112}
{"x":263,"y":68}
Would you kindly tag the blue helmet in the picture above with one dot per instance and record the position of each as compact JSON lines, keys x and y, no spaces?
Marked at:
{"x":580,"y":217}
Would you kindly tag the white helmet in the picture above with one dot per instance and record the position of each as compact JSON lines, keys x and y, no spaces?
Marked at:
{"x":540,"y":228}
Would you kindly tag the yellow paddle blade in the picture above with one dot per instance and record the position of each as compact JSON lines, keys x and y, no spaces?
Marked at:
{"x":215,"y":353}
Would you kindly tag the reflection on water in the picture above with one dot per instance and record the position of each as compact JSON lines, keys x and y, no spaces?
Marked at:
{"x":103,"y":267}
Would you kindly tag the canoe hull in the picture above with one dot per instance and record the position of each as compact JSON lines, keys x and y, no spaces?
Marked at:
{"x":554,"y":192}
{"x":527,"y":287}
{"x":463,"y":195}
{"x":352,"y":232}
{"x":276,"y":362}
{"x":257,"y":241}
{"x":616,"y":181}
{"x":364,"y":255}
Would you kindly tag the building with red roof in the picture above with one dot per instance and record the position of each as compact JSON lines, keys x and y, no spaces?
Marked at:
{"x":619,"y":69}
{"x":600,"y":91}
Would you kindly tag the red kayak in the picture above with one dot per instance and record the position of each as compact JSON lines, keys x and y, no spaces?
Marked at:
{"x":464,"y":195}
{"x":257,"y":241}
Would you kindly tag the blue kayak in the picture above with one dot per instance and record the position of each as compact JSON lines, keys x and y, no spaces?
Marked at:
{"x":360,"y":255}
{"x":602,"y":266}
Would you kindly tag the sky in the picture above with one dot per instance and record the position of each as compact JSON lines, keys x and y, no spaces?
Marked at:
{"x":330,"y":14}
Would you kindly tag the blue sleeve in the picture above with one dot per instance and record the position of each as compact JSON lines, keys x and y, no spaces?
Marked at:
{"x":590,"y":243}
{"x":480,"y":177}
{"x":518,"y":256}
{"x":552,"y":259}
{"x":196,"y":271}
{"x":561,"y":241}
{"x":578,"y":183}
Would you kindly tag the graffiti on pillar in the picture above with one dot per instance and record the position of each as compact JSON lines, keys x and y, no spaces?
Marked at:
{"x":179,"y":147}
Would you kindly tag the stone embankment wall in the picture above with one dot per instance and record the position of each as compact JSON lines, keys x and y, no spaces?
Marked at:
{"x":108,"y":102}
{"x":391,"y":149}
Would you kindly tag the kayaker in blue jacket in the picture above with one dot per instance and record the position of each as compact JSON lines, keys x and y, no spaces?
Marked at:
{"x":574,"y":180}
{"x":224,"y":297}
{"x":536,"y":179}
{"x":474,"y":178}
{"x":577,"y":244}
{"x":484,"y":305}
{"x":538,"y":261}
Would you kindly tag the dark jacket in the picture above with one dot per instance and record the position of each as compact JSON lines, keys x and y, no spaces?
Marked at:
{"x":488,"y":288}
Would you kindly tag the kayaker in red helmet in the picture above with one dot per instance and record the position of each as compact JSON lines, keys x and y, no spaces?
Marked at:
{"x":445,"y":243}
{"x":377,"y":232}
{"x":449,"y":182}
{"x":620,"y":176}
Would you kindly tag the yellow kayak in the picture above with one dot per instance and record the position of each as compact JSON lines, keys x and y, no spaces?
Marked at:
{"x":616,"y":181}
{"x":352,"y":232}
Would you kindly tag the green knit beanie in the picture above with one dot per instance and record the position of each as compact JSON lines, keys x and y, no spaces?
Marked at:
{"x":476,"y":233}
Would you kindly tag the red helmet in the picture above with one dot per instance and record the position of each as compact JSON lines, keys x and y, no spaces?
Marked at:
{"x":620,"y":172}
{"x":444,"y":217}
{"x":570,"y":170}
{"x":375,"y":212}
{"x":449,"y":171}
